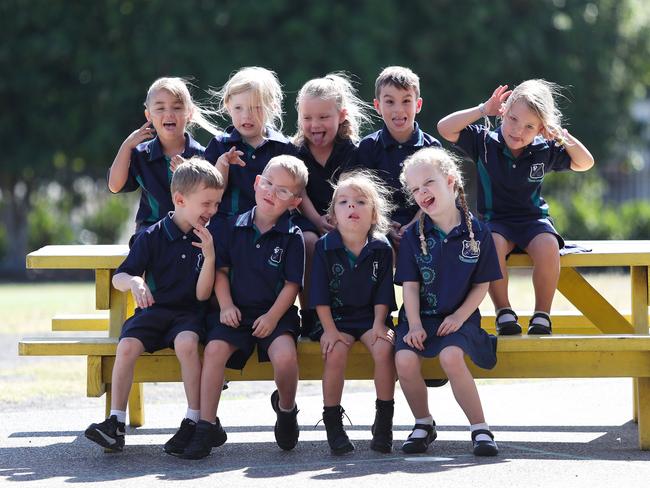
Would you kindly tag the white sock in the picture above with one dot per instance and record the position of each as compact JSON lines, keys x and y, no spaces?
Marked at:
{"x":286,"y":411}
{"x":421,"y":433}
{"x":120,"y":414}
{"x":545,"y":320}
{"x":193,"y":415}
{"x":481,"y":437}
{"x":506,"y":317}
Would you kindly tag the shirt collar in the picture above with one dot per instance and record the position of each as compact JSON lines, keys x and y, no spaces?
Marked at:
{"x":334,"y":240}
{"x":430,"y":227}
{"x":247,"y":219}
{"x":155,"y":149}
{"x":172,"y":231}
{"x":232,"y":135}
{"x":416,"y":139}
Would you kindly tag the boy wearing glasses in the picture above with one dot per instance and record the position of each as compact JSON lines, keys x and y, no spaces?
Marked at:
{"x":260,"y":267}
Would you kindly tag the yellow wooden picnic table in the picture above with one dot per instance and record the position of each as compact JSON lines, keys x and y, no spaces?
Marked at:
{"x":635,"y":255}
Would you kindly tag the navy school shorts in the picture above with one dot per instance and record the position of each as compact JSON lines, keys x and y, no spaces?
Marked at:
{"x":521,"y":233}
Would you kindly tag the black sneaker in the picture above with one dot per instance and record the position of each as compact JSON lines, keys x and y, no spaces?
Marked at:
{"x":108,"y":434}
{"x":206,"y":436}
{"x":484,"y":448}
{"x":436,"y":383}
{"x":286,"y":426}
{"x":177,"y":444}
{"x":417,"y":445}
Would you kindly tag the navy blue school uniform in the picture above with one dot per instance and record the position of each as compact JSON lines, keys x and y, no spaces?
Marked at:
{"x":239,"y":196}
{"x":352,"y":285}
{"x":259,"y":265}
{"x":150,"y":170}
{"x":379,"y":151}
{"x":446,"y":275}
{"x":510,"y":189}
{"x":171,"y":266}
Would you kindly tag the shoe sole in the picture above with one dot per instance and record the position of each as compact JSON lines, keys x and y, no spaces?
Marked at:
{"x":93,"y":435}
{"x":539,"y":330}
{"x":486,"y":451}
{"x":509,"y":329}
{"x":381,"y":449}
{"x":343,"y":450}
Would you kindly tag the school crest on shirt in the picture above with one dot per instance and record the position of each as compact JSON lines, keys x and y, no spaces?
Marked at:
{"x":469,"y":254}
{"x":276,"y":256}
{"x":199,"y":262}
{"x":536,"y":172}
{"x":375,"y":269}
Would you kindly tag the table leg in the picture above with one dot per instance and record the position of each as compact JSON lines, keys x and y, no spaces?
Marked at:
{"x":136,"y":405}
{"x":639,"y":283}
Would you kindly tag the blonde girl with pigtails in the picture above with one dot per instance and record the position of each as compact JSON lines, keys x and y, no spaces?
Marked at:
{"x":445,"y":264}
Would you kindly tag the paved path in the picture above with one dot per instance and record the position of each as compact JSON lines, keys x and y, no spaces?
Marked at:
{"x":551,"y":433}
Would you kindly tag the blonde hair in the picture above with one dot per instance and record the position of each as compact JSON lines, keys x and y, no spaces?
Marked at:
{"x":265,"y":91}
{"x":292,"y":165}
{"x":374,"y":189}
{"x":178,"y":87}
{"x":399,"y":77}
{"x":194,"y":173}
{"x":540,"y":96}
{"x":448,"y":164}
{"x":338,"y":88}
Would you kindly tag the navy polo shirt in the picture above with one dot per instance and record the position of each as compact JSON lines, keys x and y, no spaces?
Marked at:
{"x":260,"y":263}
{"x":239,"y":195}
{"x":511,"y":188}
{"x":149,"y":170}
{"x":321,"y":178}
{"x":352,"y":285}
{"x":380,"y":152}
{"x":450,"y":268}
{"x":169,"y":262}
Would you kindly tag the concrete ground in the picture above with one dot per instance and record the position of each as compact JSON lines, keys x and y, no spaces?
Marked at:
{"x":551,"y":433}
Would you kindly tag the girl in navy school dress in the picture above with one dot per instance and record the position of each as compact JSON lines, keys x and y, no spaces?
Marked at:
{"x":330,"y":116}
{"x":149,"y":155}
{"x":352,"y":291}
{"x":512,"y":161}
{"x":445,"y":264}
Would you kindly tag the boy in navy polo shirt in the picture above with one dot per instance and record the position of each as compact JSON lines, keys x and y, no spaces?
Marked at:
{"x":260,"y":266}
{"x":398,"y":101}
{"x":146,"y":163}
{"x":512,"y":161}
{"x":169,"y":270}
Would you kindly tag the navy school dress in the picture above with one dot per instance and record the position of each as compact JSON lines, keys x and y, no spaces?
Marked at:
{"x":259,"y":265}
{"x":150,"y":170}
{"x":380,"y":152}
{"x":171,"y":266}
{"x":446,"y":275}
{"x":239,"y":195}
{"x":352,"y":285}
{"x":321,"y":178}
{"x":510,"y":188}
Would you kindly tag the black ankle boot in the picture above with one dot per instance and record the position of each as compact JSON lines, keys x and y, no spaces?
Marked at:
{"x":336,"y":437}
{"x":382,"y":428}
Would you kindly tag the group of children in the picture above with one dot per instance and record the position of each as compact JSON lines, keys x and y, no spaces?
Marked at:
{"x":256,"y":221}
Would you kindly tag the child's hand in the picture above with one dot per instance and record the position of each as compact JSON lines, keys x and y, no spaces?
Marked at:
{"x":329,"y":339}
{"x":450,"y":325}
{"x":551,"y":135}
{"x":380,"y":331}
{"x":416,"y":337}
{"x":324,"y":226}
{"x":395,"y":232}
{"x":176,"y":161}
{"x":263,"y":326}
{"x":231,"y":156}
{"x":145,"y":132}
{"x":494,"y":105}
{"x":141,"y":293}
{"x":206,"y":245}
{"x":230,"y":316}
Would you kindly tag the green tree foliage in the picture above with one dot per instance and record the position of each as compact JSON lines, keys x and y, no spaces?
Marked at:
{"x":75,"y":73}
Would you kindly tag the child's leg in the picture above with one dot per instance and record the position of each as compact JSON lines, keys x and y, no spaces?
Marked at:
{"x":215,"y":357}
{"x":499,"y":288}
{"x":284,"y":358}
{"x":383,"y":355}
{"x":186,"y":345}
{"x":334,"y":372}
{"x":462,"y":383}
{"x":545,"y":254}
{"x":128,"y":351}
{"x":408,"y":365}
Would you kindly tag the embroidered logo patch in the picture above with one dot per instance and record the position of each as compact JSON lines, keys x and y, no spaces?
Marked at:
{"x":375,"y":268}
{"x":199,"y":261}
{"x":469,"y":255}
{"x":276,"y":257}
{"x":537,"y":171}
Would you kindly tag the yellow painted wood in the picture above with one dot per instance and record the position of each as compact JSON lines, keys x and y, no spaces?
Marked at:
{"x":107,"y":404}
{"x":604,"y":253}
{"x":639,"y":283}
{"x":78,"y":257}
{"x":118,"y":312}
{"x":136,"y":405}
{"x":591,"y":303}
{"x":102,"y":289}
{"x":97,"y":321}
{"x":643,"y":407}
{"x":95,"y":387}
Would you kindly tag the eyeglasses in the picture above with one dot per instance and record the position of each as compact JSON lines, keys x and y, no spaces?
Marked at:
{"x":281,"y":192}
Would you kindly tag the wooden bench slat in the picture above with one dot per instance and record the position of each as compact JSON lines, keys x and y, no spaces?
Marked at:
{"x":97,"y":321}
